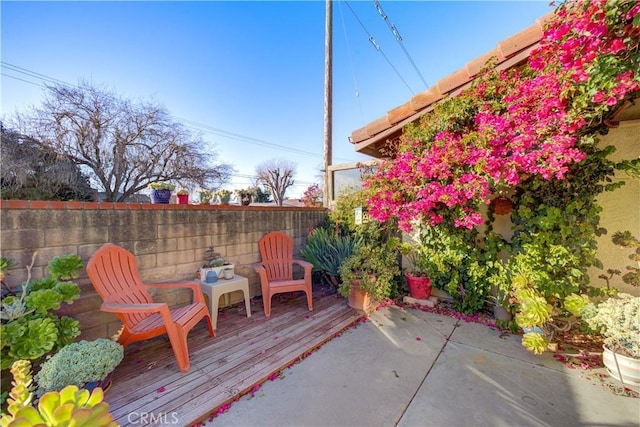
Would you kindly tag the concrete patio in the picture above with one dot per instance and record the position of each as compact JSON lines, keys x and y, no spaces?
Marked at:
{"x":406,"y":367}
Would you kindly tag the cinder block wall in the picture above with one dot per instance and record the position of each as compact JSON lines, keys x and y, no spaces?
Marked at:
{"x":169,"y":242}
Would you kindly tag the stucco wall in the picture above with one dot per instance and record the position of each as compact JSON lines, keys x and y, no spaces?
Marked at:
{"x":169,"y":242}
{"x":621,"y":208}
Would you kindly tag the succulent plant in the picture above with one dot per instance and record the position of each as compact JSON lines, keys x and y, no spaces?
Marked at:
{"x":78,"y":364}
{"x":29,"y":328}
{"x":71,"y":406}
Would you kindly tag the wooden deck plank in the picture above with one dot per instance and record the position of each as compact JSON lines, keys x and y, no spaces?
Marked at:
{"x":245,"y":352}
{"x":247,"y":346}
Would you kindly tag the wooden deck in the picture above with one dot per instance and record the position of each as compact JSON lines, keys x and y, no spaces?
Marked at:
{"x":148,"y":388}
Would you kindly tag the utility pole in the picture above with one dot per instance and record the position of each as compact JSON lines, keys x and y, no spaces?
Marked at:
{"x":328,"y":99}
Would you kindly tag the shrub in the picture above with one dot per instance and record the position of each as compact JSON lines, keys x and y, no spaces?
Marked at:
{"x":78,"y":364}
{"x":618,"y":319}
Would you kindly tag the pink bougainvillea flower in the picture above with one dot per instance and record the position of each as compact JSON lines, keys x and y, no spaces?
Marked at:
{"x":161,"y":390}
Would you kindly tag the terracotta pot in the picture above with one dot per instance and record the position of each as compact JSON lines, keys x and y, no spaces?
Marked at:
{"x":502,"y":205}
{"x":419,"y":287}
{"x":358,"y":299}
{"x":622,"y":368}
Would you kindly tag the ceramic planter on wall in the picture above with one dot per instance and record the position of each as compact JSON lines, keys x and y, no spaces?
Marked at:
{"x":160,"y":196}
{"x":622,"y":368}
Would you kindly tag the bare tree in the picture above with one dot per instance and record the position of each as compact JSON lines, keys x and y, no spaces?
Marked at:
{"x":277,"y":177}
{"x":123,"y":146}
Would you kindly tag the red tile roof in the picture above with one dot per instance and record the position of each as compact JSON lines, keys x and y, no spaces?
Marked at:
{"x":509,"y":52}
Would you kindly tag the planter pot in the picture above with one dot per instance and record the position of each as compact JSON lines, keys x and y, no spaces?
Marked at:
{"x":501,"y":313}
{"x":246,"y":200}
{"x":225,"y":200}
{"x":622,"y":368}
{"x":419,"y":287}
{"x":104,"y":384}
{"x":219,"y":271}
{"x":204,"y":199}
{"x":160,"y":196}
{"x":502,"y":205}
{"x":358,"y":299}
{"x":183,"y":199}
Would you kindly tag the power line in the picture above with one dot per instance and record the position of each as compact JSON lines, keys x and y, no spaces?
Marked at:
{"x":31,"y":73}
{"x":191,"y":123}
{"x":353,"y":73}
{"x":22,"y":80}
{"x":398,"y":37}
{"x":378,"y":48}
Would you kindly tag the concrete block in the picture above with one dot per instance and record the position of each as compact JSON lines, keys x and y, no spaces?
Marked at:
{"x":22,"y":238}
{"x":65,"y":235}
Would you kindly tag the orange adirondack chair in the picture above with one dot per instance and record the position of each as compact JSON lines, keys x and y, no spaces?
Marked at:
{"x":113,"y":271}
{"x":276,"y":269}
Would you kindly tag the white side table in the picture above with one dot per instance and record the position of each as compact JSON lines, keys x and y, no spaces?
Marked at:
{"x":224,"y":286}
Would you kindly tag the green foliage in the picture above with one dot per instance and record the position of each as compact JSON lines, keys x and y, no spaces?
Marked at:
{"x":343,"y":213}
{"x":556,"y":223}
{"x":69,"y":407}
{"x":535,"y":342}
{"x":618,"y":319}
{"x":262,"y":195}
{"x":28,"y":338}
{"x":65,"y":267}
{"x":327,"y":250}
{"x":5,"y":264}
{"x":374,"y":260}
{"x":78,"y":364}
{"x":161,"y":185}
{"x":626,"y":240}
{"x":29,"y":329}
{"x":452,"y":260}
{"x":376,"y":266}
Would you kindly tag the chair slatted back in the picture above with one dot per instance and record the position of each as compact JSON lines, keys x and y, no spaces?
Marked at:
{"x":276,"y":250}
{"x":114,"y":273}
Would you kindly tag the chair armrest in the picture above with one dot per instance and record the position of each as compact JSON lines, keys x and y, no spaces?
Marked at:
{"x":308,"y":268}
{"x":156,"y":307}
{"x":258,"y":268}
{"x":194,"y":286}
{"x":111,"y":307}
{"x":303,"y":264}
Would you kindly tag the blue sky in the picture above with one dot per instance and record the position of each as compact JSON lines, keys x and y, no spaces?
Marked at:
{"x":251,"y":72}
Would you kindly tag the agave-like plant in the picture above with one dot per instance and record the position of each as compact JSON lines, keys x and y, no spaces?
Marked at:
{"x":327,"y":250}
